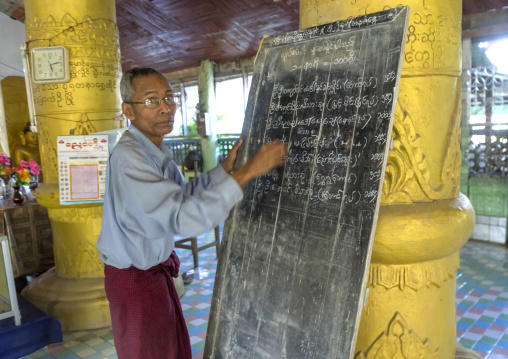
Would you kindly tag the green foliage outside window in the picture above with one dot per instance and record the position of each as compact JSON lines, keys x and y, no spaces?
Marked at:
{"x":192,"y":128}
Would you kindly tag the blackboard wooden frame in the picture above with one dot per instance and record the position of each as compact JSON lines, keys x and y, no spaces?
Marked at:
{"x":294,"y":259}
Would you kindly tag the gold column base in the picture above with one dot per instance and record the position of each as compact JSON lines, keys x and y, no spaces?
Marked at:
{"x":78,"y":304}
{"x":73,"y":292}
{"x":180,"y":286}
{"x":410,"y":310}
{"x":463,"y":353}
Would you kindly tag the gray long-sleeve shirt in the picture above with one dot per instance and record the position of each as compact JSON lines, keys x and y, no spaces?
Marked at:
{"x":147,"y":202}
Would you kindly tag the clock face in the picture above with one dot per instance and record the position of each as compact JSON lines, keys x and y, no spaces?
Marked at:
{"x":50,"y":65}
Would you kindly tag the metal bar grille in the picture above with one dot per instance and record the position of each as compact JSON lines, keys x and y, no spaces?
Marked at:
{"x":488,"y":124}
{"x":180,"y":148}
{"x":224,"y":145}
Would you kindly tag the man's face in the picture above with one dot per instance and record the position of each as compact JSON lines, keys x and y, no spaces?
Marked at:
{"x":154,"y":123}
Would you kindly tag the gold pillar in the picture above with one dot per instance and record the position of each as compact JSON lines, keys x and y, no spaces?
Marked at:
{"x":423,"y":220}
{"x":73,"y":291}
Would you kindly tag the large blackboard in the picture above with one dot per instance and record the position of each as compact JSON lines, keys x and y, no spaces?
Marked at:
{"x":291,"y":276}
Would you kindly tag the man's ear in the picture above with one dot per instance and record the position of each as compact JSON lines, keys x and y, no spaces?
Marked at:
{"x":128,"y":111}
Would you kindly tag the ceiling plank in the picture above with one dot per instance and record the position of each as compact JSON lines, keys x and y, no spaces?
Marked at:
{"x":170,"y":35}
{"x":490,"y":23}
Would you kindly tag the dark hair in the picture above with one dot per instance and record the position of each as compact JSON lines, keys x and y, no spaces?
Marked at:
{"x":126,"y":90}
{"x":27,"y":128}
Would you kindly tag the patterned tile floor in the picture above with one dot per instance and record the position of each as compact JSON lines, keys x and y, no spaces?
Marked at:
{"x":482,"y":299}
{"x":482,"y":307}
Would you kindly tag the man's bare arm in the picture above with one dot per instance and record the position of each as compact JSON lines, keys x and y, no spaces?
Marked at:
{"x":269,"y":156}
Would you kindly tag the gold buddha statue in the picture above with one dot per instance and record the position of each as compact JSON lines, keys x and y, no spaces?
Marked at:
{"x":28,"y":150}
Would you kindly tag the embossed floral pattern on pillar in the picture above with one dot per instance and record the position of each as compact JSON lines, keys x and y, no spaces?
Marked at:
{"x":414,"y":276}
{"x":399,"y":341}
{"x":412,"y":174}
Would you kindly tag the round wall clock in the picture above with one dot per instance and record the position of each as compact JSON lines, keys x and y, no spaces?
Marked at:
{"x":50,"y":65}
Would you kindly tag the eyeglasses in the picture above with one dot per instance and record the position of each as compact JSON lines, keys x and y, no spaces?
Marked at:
{"x":154,"y":102}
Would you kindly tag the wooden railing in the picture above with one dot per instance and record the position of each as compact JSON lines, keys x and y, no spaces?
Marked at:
{"x":182,"y":145}
{"x":486,"y":183}
{"x":225,"y":143}
{"x":488,"y":98}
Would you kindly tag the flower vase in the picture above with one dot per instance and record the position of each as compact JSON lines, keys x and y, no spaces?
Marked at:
{"x":17,"y":197}
{"x":33,"y":185}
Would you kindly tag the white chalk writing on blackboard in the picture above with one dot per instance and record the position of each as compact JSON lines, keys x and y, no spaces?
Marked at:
{"x":295,"y":249}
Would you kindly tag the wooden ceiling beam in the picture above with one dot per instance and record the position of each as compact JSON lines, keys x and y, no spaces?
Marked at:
{"x":175,"y":34}
{"x":486,"y":24}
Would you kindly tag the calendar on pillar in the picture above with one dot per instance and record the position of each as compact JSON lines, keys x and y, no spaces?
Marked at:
{"x":82,"y":168}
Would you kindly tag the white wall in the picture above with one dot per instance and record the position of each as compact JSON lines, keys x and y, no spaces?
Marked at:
{"x":12,"y":35}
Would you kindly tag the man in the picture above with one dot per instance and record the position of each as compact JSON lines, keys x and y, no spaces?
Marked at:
{"x":148,"y":202}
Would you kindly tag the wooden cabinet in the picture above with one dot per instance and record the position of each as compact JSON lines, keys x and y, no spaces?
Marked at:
{"x":28,"y":229}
